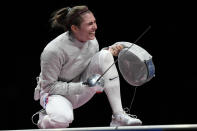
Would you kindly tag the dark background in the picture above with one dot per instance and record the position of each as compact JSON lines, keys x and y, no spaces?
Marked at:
{"x":169,"y":98}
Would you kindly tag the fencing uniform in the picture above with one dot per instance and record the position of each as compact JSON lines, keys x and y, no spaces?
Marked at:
{"x":65,"y":64}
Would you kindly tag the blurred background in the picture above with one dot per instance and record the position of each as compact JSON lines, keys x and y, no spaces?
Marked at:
{"x":169,"y":98}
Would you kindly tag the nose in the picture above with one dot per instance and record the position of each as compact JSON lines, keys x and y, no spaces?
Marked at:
{"x":95,"y":26}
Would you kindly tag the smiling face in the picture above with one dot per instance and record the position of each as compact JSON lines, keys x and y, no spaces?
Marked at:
{"x":86,"y":31}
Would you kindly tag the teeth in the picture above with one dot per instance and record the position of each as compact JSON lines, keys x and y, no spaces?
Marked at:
{"x":92,"y":32}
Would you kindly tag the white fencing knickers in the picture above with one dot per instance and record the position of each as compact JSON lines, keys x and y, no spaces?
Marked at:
{"x":59,"y":109}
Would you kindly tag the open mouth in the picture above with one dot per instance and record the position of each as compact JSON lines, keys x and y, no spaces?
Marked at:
{"x":92,"y":33}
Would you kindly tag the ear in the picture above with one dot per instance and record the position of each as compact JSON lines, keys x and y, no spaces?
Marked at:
{"x":74,"y":28}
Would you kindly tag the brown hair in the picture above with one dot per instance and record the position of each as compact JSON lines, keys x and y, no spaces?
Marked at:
{"x":66,"y":17}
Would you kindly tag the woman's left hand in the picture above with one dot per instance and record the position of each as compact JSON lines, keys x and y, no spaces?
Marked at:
{"x":115,"y":49}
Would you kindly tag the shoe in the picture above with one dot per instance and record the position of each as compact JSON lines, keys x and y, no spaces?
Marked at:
{"x":42,"y":114}
{"x":124,"y":119}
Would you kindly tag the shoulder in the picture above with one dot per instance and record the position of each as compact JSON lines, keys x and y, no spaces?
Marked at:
{"x":53,"y":53}
{"x":57,"y":45}
{"x":49,"y":54}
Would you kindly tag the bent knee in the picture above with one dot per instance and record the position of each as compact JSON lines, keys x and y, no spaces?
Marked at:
{"x":57,"y":124}
{"x":63,"y":118}
{"x":105,"y":58}
{"x":106,"y":55}
{"x":52,"y":122}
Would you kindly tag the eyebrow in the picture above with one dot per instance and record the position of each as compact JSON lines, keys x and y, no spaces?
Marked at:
{"x":91,"y":22}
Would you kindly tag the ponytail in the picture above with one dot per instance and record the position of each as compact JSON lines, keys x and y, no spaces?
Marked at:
{"x":66,"y":17}
{"x":58,"y":18}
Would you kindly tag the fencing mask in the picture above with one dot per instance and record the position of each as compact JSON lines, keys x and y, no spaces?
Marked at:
{"x":135,"y":64}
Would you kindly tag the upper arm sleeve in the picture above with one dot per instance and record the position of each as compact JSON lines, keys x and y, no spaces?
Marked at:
{"x":51,"y":65}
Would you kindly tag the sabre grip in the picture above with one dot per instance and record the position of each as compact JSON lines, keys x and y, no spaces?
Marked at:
{"x":94,"y":80}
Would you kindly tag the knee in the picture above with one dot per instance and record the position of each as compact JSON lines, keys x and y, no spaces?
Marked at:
{"x":59,"y":110}
{"x":61,"y":121}
{"x":105,"y":58}
{"x":50,"y":122}
{"x":106,"y":55}
{"x":62,"y":118}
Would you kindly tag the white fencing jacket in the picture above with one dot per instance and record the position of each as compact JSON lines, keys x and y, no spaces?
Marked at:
{"x":62,"y":61}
